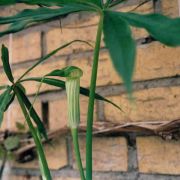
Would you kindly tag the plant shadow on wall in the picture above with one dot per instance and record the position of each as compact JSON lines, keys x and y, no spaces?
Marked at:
{"x":119,"y":42}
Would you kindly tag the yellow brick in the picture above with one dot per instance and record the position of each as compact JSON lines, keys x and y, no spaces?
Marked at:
{"x":58,"y":112}
{"x":56,"y":38}
{"x":22,"y":47}
{"x":14,"y":114}
{"x":56,"y":155}
{"x":109,"y":154}
{"x":150,"y":103}
{"x":156,"y":60}
{"x":170,"y":8}
{"x":26,"y":47}
{"x":14,"y":177}
{"x":158,"y":156}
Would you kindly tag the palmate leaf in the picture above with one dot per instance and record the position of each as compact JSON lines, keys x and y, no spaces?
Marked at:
{"x":162,"y":28}
{"x":61,"y":84}
{"x":5,"y":99}
{"x":5,"y":61}
{"x":121,"y":46}
{"x":33,"y":114}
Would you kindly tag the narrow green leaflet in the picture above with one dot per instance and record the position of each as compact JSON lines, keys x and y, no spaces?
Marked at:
{"x":29,"y":17}
{"x":6,"y":65}
{"x":49,"y":2}
{"x":33,"y":114}
{"x":162,"y":28}
{"x":114,"y":3}
{"x":121,"y":46}
{"x":61,"y":84}
{"x":11,"y":99}
{"x":13,"y":28}
{"x":43,"y":173}
{"x":5,"y":98}
{"x":39,"y":14}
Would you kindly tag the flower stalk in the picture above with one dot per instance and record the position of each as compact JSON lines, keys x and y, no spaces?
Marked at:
{"x":73,"y":90}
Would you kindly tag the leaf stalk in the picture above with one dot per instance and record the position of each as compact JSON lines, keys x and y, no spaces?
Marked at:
{"x":91,"y":100}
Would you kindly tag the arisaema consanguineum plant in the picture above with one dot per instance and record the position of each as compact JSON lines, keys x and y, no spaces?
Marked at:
{"x":116,"y":27}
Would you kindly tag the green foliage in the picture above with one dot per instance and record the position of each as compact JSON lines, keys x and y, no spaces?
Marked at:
{"x":29,"y":17}
{"x":5,"y":98}
{"x":162,"y":28}
{"x":50,"y":2}
{"x":33,"y":114}
{"x":6,"y":65}
{"x":118,"y":39}
{"x":20,"y":126}
{"x":112,"y":3}
{"x":61,"y":84}
{"x":11,"y":143}
{"x":65,"y":72}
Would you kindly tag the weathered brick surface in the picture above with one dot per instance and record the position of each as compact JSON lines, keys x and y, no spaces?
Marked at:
{"x":23,"y":47}
{"x":109,"y":154}
{"x":153,"y":61}
{"x":170,"y":8}
{"x":158,"y":156}
{"x":56,"y":155}
{"x":58,"y":112}
{"x":26,"y":47}
{"x":149,"y":105}
{"x":39,"y":71}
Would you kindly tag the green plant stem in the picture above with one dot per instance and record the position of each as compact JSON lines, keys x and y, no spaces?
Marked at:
{"x":74,"y":133}
{"x":35,"y":137}
{"x":91,"y":101}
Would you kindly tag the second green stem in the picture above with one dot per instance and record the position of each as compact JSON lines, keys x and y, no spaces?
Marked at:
{"x":91,"y":101}
{"x":74,"y":133}
{"x":35,"y":137}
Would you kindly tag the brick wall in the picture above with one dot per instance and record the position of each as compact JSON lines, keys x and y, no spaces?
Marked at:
{"x":123,"y":156}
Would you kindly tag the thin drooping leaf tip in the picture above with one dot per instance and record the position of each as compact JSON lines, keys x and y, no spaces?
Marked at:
{"x":74,"y":72}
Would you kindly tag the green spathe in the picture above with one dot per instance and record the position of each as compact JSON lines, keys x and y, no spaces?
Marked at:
{"x":73,"y":91}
